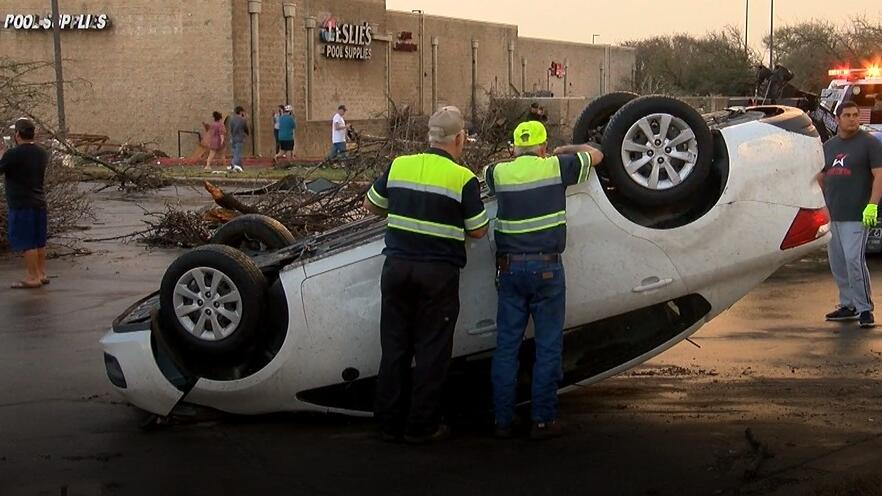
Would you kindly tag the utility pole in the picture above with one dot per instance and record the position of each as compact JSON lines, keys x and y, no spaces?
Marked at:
{"x":772,"y":36}
{"x":59,"y":75}
{"x":746,"y":25}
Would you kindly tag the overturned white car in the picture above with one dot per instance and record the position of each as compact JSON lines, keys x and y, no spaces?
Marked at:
{"x":686,"y":215}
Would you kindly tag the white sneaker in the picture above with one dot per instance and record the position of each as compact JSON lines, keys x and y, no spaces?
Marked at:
{"x":237,"y":168}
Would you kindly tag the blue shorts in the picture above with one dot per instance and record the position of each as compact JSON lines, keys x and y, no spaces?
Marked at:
{"x":27,"y":228}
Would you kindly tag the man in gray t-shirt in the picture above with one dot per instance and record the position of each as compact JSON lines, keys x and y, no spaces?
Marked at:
{"x":238,"y":131}
{"x":852,"y":185}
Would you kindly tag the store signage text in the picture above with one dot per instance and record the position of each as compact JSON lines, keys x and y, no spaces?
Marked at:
{"x":79,"y":22}
{"x":405,"y":42}
{"x":346,"y":41}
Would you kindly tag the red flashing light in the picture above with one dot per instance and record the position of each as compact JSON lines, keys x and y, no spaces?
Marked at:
{"x":809,"y":225}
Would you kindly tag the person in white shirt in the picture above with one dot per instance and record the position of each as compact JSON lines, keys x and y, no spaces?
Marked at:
{"x":338,"y":134}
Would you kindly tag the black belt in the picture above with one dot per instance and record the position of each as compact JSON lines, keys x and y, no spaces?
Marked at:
{"x":555,"y":257}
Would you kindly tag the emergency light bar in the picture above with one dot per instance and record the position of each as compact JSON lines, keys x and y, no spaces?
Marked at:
{"x":869,"y":72}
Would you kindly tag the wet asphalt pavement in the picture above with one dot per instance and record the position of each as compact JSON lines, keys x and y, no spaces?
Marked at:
{"x":775,"y":401}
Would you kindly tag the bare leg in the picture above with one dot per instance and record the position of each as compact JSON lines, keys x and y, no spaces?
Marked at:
{"x":211,"y":154}
{"x":32,"y":263}
{"x":41,"y":264}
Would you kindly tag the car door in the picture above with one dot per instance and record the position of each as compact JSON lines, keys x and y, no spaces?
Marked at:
{"x":609,"y":270}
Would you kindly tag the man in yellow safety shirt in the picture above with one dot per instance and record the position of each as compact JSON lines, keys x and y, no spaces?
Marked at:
{"x":530,"y":235}
{"x":432,"y":205}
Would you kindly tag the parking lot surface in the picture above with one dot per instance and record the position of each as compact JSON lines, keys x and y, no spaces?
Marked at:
{"x":769,"y":399}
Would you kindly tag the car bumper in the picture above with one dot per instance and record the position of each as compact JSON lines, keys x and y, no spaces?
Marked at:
{"x":134,"y":373}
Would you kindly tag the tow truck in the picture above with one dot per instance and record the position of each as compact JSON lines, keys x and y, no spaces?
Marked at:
{"x":864,"y":87}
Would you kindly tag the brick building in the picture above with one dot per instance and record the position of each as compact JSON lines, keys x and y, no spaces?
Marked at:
{"x":153,"y":67}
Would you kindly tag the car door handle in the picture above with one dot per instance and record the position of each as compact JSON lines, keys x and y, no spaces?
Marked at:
{"x":651,"y":283}
{"x":486,"y":326}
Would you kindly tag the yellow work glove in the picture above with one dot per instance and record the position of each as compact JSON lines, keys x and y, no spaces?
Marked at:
{"x":870,"y":215}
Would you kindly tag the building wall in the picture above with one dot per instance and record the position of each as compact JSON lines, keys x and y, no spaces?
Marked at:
{"x":163,"y":65}
{"x":455,"y":38}
{"x":360,"y":85}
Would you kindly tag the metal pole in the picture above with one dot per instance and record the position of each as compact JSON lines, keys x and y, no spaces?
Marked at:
{"x":254,"y":8}
{"x":566,"y":77}
{"x":746,"y":24}
{"x":772,"y":36}
{"x":435,"y":43}
{"x":474,"y":81}
{"x":289,"y":10}
{"x":310,"y":63}
{"x":594,"y":37}
{"x":59,"y":75}
{"x":420,"y":62}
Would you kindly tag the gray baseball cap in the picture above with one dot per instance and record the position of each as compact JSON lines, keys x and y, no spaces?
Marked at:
{"x":444,"y":123}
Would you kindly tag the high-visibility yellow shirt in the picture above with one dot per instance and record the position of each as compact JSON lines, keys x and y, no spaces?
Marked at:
{"x":431,"y":202}
{"x":531,"y":215}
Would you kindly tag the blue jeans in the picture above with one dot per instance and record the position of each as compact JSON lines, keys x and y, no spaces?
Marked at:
{"x":537,"y":289}
{"x":237,"y":153}
{"x":337,"y":149}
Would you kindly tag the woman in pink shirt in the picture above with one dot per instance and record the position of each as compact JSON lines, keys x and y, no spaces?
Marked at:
{"x":216,"y":138}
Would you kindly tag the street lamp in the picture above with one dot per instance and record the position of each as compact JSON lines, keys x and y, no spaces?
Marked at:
{"x":594,"y":37}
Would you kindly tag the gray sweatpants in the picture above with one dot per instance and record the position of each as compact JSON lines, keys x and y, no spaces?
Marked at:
{"x":848,"y":262}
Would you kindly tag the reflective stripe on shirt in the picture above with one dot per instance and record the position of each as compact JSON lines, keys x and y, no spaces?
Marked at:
{"x":531,"y":225}
{"x":425,"y":227}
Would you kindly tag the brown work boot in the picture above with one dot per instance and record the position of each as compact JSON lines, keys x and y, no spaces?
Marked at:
{"x":546,"y":430}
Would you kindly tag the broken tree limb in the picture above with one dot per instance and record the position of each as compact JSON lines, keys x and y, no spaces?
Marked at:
{"x":228,"y":201}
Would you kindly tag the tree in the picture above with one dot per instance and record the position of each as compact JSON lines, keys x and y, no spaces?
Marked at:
{"x":809,"y":49}
{"x":715,"y":64}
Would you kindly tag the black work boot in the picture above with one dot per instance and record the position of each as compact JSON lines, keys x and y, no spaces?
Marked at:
{"x":503,"y":431}
{"x":842,"y":313}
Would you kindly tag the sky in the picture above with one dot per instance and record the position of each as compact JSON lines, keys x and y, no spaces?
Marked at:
{"x":621,"y":20}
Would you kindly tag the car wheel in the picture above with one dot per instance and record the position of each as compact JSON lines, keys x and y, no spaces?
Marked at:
{"x":211,"y":300}
{"x":658,"y":151}
{"x":594,"y":118}
{"x":253,"y":234}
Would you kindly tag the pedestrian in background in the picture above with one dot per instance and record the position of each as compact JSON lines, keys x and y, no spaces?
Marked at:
{"x":24,"y":169}
{"x":531,"y":235}
{"x":432,"y":204}
{"x":287,"y":125}
{"x":238,"y":132}
{"x":338,"y":134}
{"x":278,"y":113}
{"x":852,"y":185}
{"x":216,"y":138}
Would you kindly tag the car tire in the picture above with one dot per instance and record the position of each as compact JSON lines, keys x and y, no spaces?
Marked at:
{"x":211,"y":302}
{"x":648,"y":171}
{"x":253,"y":234}
{"x":591,"y":122}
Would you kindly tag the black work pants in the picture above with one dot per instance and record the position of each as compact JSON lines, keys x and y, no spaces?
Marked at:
{"x":419,"y":310}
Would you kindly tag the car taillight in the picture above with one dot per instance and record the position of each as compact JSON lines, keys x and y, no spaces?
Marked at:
{"x":809,"y":225}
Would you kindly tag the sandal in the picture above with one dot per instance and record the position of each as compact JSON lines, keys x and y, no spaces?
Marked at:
{"x":44,"y":281}
{"x":24,"y":285}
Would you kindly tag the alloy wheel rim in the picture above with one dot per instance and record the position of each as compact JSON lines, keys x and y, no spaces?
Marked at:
{"x":207,"y":304}
{"x":659,"y":151}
